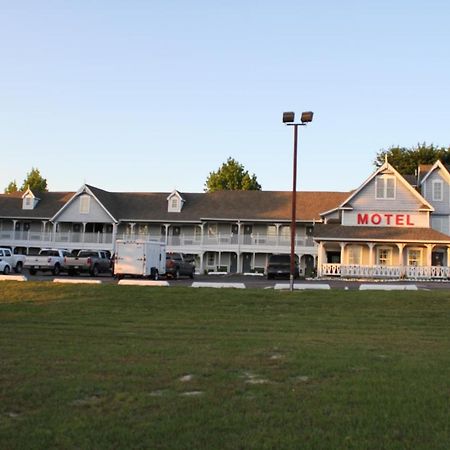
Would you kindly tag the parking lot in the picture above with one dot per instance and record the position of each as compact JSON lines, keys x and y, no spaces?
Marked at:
{"x":250,"y":282}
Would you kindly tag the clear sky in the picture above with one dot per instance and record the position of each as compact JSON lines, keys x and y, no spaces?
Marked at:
{"x":143,"y":95}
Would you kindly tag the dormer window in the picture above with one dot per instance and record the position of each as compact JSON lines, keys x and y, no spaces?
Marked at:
{"x":85,"y":202}
{"x":175,"y":202}
{"x":29,"y":201}
{"x":385,"y":187}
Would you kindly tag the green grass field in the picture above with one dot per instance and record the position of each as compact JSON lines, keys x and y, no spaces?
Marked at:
{"x":121,"y":367}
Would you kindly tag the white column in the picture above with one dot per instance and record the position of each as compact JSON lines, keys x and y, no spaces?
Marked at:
{"x":401,"y":261}
{"x":115,"y":226}
{"x":448,"y":256}
{"x":342,"y":244}
{"x":371,"y":260}
{"x":319,"y":259}
{"x":430,"y":248}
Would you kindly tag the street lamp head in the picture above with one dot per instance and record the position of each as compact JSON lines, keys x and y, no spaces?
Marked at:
{"x":288,"y":117}
{"x":307,"y":116}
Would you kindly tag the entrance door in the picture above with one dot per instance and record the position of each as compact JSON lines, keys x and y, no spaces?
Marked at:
{"x":234,"y":233}
{"x":247,"y":263}
{"x":233,"y":263}
{"x":248,"y":229}
{"x":437,"y":258}
{"x":176,"y":231}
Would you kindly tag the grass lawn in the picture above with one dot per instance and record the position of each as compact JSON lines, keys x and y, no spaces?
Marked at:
{"x":120,"y":367}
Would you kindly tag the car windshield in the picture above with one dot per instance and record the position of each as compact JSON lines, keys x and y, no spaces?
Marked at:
{"x":276,"y":259}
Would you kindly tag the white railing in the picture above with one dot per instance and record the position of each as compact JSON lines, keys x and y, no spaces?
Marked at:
{"x":410,"y":272}
{"x":224,"y":241}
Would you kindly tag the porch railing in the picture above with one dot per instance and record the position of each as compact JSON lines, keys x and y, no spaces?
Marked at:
{"x":219,"y":241}
{"x":409,"y":272}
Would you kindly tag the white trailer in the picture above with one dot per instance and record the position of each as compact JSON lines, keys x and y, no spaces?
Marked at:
{"x":140,"y":258}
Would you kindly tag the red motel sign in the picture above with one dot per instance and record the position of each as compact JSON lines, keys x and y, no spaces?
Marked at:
{"x":385,"y":219}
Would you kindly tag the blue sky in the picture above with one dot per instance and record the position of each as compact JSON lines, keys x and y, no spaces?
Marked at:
{"x":153,"y":95}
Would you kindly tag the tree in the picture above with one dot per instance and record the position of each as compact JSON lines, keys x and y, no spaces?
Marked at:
{"x":407,"y":160}
{"x":11,"y":188}
{"x":34,"y":181}
{"x":231,"y":176}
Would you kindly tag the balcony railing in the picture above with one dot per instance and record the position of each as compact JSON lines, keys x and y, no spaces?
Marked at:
{"x":399,"y":272}
{"x":229,"y":241}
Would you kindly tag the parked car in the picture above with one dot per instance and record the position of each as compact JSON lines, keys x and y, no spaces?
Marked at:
{"x":177,"y":264}
{"x":48,"y":260}
{"x":15,"y":262}
{"x":5,"y":268}
{"x":280,"y":266}
{"x":88,"y":261}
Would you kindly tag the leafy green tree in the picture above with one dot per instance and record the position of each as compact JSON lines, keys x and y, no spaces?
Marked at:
{"x":11,"y":188}
{"x":231,"y":176}
{"x":34,"y":181}
{"x":407,"y":160}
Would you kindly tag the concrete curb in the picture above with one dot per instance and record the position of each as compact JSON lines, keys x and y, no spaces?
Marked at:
{"x":388,"y":287}
{"x":76,"y":281}
{"x":13,"y":278}
{"x":143,"y":283}
{"x":302,"y":286}
{"x":218,"y":285}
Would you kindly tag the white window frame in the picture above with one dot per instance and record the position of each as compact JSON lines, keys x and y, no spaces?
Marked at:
{"x":435,"y":197}
{"x":384,"y":180}
{"x":174,"y":203}
{"x":388,"y":259}
{"x":419,"y":260}
{"x":352,"y":251}
{"x":85,"y":204}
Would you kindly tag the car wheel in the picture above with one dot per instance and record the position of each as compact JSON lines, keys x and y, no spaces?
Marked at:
{"x":6,"y":270}
{"x":56,"y":270}
{"x":156,"y":275}
{"x":191,"y":276}
{"x":19,"y":267}
{"x":176,"y":274}
{"x":94,"y":272}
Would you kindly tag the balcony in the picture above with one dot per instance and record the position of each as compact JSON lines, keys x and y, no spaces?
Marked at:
{"x":386,"y":272}
{"x":187,"y":243}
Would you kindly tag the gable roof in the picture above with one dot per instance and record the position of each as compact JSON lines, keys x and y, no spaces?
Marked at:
{"x":152,"y":206}
{"x":386,"y":167}
{"x":428,"y":169}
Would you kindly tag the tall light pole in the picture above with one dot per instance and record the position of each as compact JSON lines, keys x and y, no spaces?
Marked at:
{"x":289,"y":119}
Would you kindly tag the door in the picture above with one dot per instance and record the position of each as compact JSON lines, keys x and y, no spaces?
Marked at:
{"x":176,"y":231}
{"x":234,"y":233}
{"x":233,"y":263}
{"x":248,"y":229}
{"x":247,"y":263}
{"x":333,"y":257}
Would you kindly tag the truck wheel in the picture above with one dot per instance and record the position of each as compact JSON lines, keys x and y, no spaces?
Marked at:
{"x":56,"y":270}
{"x":156,"y":275}
{"x":176,"y":275}
{"x":19,"y":267}
{"x":32,"y":271}
{"x":191,"y":276}
{"x":6,"y":270}
{"x":94,"y":272}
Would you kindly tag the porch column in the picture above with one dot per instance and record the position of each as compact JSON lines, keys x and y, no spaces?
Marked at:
{"x":371,"y":261}
{"x":55,"y":227}
{"x":166,"y":233}
{"x":319,"y":259}
{"x":342,"y":244}
{"x":448,"y":256}
{"x":202,"y":268}
{"x":401,"y":261}
{"x":84,"y":232}
{"x":14,"y":228}
{"x":430,"y":248}
{"x":202,"y":233}
{"x":277,"y":227}
{"x":115,"y":226}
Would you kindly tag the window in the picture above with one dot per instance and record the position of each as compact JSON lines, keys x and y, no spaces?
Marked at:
{"x":174,"y":203}
{"x":84,"y":204}
{"x":437,"y":190}
{"x":385,"y":187}
{"x":354,"y":254}
{"x":414,"y":256}
{"x":384,"y":256}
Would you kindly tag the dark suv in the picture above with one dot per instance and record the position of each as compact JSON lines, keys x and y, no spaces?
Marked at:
{"x":280,"y":266}
{"x":178,"y":264}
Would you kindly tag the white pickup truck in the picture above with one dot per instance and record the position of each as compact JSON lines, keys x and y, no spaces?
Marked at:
{"x":48,"y":260}
{"x":9,"y":261}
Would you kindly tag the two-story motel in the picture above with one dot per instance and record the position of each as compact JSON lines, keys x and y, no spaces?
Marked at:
{"x":389,"y":227}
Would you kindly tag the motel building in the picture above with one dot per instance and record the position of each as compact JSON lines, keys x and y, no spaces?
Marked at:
{"x":391,"y":227}
{"x":383,"y":229}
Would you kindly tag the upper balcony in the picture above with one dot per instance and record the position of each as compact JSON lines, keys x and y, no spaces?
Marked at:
{"x":187,"y":243}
